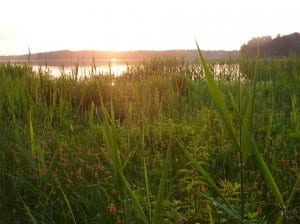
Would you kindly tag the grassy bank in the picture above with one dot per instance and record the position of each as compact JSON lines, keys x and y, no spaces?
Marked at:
{"x":164,"y":143}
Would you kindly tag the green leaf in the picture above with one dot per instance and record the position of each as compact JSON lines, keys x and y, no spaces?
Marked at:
{"x":268,"y":176}
{"x":161,"y":190}
{"x":203,"y":172}
{"x":247,"y":120}
{"x":67,"y":202}
{"x":280,"y":219}
{"x":292,"y":194}
{"x":32,"y":139}
{"x":111,"y":136}
{"x":147,"y":188}
{"x":211,"y":220}
{"x":137,"y":206}
{"x":228,"y":210}
{"x":29,"y":213}
{"x":218,"y":100}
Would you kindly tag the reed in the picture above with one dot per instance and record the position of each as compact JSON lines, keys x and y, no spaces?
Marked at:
{"x":169,"y":141}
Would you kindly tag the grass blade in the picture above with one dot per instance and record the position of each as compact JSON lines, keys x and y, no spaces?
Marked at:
{"x":280,"y":219}
{"x":268,"y":176}
{"x":211,"y":220}
{"x":110,"y":135}
{"x":217,"y":99}
{"x":161,"y":190}
{"x":67,"y":202}
{"x":293,"y":192}
{"x":248,"y":118}
{"x":147,"y":188}
{"x":29,"y":213}
{"x":32,"y":139}
{"x":137,"y":206}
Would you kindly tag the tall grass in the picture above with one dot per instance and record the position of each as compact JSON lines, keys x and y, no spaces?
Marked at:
{"x":170,"y":141}
{"x":245,"y":130}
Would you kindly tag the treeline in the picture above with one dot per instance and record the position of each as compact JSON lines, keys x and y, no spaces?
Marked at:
{"x":276,"y":47}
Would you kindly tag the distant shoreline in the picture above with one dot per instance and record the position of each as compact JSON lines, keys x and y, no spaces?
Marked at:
{"x":86,"y":58}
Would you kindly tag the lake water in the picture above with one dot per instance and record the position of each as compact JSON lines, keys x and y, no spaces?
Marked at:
{"x":224,"y":72}
{"x":115,"y":69}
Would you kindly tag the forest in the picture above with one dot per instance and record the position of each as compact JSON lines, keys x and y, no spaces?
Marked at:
{"x":280,"y":46}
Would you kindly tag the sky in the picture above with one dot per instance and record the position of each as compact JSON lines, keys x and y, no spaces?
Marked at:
{"x":121,"y":25}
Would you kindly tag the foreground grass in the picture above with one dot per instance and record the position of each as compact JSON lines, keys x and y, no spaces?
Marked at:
{"x":151,"y":146}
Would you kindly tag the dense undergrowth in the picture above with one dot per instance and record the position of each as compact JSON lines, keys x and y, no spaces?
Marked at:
{"x":155,"y":145}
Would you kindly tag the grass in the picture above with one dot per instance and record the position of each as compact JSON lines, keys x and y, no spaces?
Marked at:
{"x":169,"y":142}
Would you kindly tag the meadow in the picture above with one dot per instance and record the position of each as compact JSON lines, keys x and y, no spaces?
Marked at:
{"x":169,"y":141}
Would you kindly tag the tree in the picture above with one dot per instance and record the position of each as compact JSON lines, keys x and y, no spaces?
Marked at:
{"x":268,"y":47}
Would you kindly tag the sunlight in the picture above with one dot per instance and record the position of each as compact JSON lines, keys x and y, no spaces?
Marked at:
{"x":113,"y":60}
{"x":140,"y":25}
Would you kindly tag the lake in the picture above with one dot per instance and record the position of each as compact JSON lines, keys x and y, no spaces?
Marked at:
{"x":225,"y":72}
{"x":115,"y":69}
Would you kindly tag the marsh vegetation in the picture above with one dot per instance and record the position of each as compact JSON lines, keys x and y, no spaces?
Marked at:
{"x":166,"y":142}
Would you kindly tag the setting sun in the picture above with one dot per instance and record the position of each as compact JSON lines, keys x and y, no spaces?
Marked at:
{"x":140,"y":25}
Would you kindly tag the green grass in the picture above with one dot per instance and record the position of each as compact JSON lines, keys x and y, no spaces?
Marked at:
{"x":171,"y":141}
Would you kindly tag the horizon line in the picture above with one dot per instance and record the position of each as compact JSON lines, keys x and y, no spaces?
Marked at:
{"x":111,"y":51}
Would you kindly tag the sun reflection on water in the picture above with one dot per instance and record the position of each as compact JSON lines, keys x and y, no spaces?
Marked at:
{"x":112,"y":69}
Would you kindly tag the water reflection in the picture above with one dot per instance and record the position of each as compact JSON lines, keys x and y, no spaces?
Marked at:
{"x":56,"y":71}
{"x":194,"y":71}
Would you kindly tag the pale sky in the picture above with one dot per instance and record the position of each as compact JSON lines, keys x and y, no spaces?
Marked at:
{"x":48,"y":25}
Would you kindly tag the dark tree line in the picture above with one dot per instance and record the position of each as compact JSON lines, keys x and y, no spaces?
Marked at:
{"x":276,"y":47}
